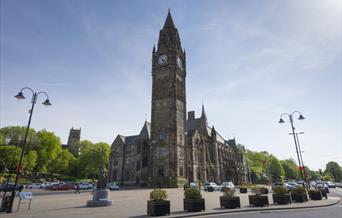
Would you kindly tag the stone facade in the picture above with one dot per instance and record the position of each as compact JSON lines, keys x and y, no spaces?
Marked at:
{"x":170,"y":150}
{"x":73,"y":141}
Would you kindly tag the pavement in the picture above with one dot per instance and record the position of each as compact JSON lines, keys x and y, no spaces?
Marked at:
{"x":132,"y":203}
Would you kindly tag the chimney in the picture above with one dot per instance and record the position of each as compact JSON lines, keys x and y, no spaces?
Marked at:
{"x":191,"y":115}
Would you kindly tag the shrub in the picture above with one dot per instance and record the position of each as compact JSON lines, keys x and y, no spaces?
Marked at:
{"x":298,"y":190}
{"x":313,"y":191}
{"x":192,"y":193}
{"x":256,"y":190}
{"x":280,"y":190}
{"x":158,"y":195}
{"x":227,"y":192}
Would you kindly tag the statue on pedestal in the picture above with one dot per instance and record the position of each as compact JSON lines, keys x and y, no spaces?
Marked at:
{"x":100,"y":194}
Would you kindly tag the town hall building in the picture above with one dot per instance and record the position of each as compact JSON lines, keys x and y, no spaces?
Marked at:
{"x":175,"y":146}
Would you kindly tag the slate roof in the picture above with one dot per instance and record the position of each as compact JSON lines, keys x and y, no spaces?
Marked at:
{"x":145,"y":133}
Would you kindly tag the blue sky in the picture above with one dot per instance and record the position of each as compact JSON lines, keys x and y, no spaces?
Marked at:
{"x":248,"y":61}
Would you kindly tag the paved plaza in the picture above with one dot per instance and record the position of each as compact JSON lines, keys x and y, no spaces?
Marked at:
{"x":131,"y":203}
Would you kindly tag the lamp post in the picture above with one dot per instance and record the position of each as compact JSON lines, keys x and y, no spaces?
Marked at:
{"x":21,"y":96}
{"x":290,"y":116}
{"x":301,"y":117}
{"x":300,"y":154}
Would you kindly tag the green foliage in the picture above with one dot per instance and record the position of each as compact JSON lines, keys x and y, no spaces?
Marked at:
{"x":91,"y":158}
{"x":227,"y":192}
{"x":290,"y":169}
{"x":30,"y":160}
{"x":158,"y":195}
{"x":276,"y":168}
{"x":334,"y":169}
{"x":62,"y":162}
{"x":298,"y":190}
{"x":192,"y":193}
{"x":313,"y":191}
{"x":327,"y":178}
{"x":14,"y":135}
{"x":9,"y":156}
{"x":280,"y":190}
{"x":49,"y":146}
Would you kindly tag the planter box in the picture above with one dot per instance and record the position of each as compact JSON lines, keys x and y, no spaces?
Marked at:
{"x":258,"y":200}
{"x":194,"y":205}
{"x":158,"y":208}
{"x":299,"y":197}
{"x":243,"y":190}
{"x":317,"y":195}
{"x":281,"y":199}
{"x":230,"y":202}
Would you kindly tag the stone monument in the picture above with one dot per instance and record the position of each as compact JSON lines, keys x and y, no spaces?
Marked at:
{"x":100,"y":194}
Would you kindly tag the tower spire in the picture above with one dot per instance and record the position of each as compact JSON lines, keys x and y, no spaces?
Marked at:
{"x":169,"y":22}
{"x":203,"y":112}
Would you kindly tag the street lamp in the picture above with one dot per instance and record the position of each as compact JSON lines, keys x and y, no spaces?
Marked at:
{"x":300,"y":153}
{"x":290,"y":116}
{"x":21,"y":96}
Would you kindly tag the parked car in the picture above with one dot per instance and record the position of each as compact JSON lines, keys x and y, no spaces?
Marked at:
{"x":338,"y":184}
{"x":322,"y":186}
{"x":62,"y":186}
{"x":8,"y":187}
{"x":34,"y":186}
{"x":211,"y":186}
{"x":291,"y":185}
{"x":113,"y":186}
{"x":278,"y":184}
{"x":229,"y":185}
{"x":331,"y":185}
{"x":85,"y":185}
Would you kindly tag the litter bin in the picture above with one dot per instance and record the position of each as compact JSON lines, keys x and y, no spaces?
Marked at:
{"x":6,"y":204}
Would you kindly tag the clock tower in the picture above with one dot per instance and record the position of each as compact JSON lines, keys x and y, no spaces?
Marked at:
{"x":168,"y":119}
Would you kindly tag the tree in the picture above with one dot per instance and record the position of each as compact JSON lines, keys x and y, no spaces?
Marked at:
{"x":14,"y":135}
{"x":290,"y":169}
{"x":9,"y":156}
{"x":30,"y":160}
{"x":49,"y":146}
{"x":62,"y":162}
{"x":334,"y":169}
{"x":276,"y":169}
{"x":91,"y":158}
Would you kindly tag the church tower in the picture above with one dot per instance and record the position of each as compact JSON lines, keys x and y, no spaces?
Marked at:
{"x":168,"y":120}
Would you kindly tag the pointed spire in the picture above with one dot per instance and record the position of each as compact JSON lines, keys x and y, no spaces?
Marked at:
{"x":169,"y":22}
{"x":203,"y":112}
{"x":213,"y":131}
{"x":154,"y":49}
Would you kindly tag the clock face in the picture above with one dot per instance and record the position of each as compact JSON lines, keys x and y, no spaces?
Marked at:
{"x":162,"y":59}
{"x":179,"y":63}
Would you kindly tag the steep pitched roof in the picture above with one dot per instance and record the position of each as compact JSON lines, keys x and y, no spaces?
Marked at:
{"x":145,"y":132}
{"x":130,"y":140}
{"x":169,"y":22}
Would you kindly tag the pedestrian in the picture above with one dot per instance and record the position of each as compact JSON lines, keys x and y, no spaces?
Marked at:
{"x":21,"y":187}
{"x":77,"y":188}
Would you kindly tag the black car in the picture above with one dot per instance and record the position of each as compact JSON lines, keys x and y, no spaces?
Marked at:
{"x":8,"y":187}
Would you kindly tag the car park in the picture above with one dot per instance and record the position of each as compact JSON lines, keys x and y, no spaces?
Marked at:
{"x":322,"y":186}
{"x":291,"y":185}
{"x":229,"y":185}
{"x":62,"y":186}
{"x":211,"y":186}
{"x":34,"y":186}
{"x":113,"y":186}
{"x":8,"y":187}
{"x":86,"y":185}
{"x":277,"y":184}
{"x":331,"y":185}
